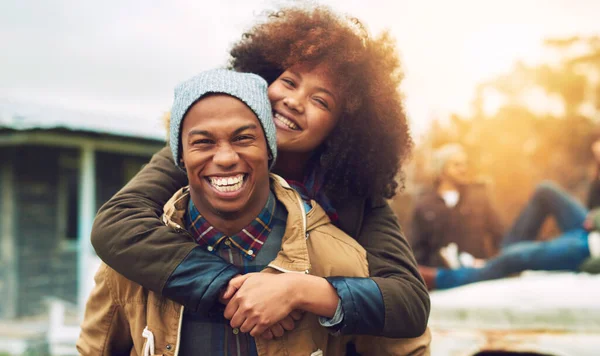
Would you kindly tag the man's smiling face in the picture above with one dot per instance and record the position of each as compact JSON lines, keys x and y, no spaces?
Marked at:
{"x":224,"y":151}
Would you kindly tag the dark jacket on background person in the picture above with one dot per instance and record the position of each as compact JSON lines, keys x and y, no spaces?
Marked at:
{"x":473,"y":224}
{"x":594,"y":193}
{"x":128,"y":227}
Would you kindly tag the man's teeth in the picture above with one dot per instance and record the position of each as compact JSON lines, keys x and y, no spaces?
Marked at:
{"x":287,"y":122}
{"x":227,"y":184}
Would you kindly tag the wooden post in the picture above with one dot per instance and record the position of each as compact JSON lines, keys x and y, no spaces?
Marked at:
{"x":87,"y":211}
{"x":8,"y":248}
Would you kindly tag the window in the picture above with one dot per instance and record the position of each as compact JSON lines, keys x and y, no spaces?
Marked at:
{"x":68,"y":196}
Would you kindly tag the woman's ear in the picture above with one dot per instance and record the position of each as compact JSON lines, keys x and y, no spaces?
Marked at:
{"x":182,"y":164}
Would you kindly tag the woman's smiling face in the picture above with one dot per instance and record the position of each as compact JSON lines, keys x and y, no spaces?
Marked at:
{"x":306,"y":107}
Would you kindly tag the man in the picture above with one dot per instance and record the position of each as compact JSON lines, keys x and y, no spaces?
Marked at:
{"x":455,"y":212}
{"x":520,"y":252}
{"x":223,"y":135}
{"x":576,"y":248}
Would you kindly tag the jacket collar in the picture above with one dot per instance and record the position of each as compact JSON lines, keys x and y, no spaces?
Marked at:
{"x":293,"y":256}
{"x":249,"y":240}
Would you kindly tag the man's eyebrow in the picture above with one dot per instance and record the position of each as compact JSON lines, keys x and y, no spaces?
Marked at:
{"x":244,"y":128}
{"x":200,"y":132}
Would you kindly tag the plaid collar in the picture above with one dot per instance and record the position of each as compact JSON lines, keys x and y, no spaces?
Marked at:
{"x":249,"y":240}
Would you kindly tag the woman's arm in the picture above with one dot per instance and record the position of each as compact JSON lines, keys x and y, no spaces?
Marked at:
{"x":393,"y":303}
{"x":393,"y":268}
{"x":420,"y":237}
{"x":130,"y":237}
{"x":263,"y":299}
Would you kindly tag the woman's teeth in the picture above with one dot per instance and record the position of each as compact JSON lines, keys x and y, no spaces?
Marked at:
{"x":227,"y":184}
{"x":287,"y":122}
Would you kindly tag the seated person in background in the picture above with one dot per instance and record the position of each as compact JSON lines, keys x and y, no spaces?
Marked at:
{"x":576,"y":248}
{"x":454,"y":211}
{"x":222,"y":135}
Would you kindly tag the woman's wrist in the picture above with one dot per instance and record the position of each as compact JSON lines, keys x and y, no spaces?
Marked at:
{"x":314,"y":295}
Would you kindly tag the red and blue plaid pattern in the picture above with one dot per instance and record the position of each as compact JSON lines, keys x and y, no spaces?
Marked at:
{"x":210,"y":333}
{"x":250,"y":240}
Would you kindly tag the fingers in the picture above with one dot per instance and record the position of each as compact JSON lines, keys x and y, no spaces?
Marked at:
{"x":231,"y":309}
{"x":258,"y":329}
{"x":238,"y":320}
{"x":286,"y":323}
{"x":277,"y":330}
{"x":248,"y":325}
{"x":228,"y":293}
{"x":261,"y":330}
{"x":238,"y":280}
{"x":297,"y":314}
{"x":234,"y":284}
{"x":267,"y":335}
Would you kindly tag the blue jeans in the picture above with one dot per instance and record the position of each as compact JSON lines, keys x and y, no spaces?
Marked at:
{"x":520,"y":250}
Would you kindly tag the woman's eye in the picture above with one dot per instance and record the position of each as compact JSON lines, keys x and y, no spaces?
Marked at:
{"x":288,"y":82}
{"x":323,"y":103}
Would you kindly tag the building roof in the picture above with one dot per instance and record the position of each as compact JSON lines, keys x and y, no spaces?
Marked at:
{"x":22,"y":116}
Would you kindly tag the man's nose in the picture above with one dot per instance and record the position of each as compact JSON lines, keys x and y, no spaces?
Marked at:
{"x":226,"y":156}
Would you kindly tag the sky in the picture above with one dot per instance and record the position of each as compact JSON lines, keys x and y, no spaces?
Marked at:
{"x":126,"y":56}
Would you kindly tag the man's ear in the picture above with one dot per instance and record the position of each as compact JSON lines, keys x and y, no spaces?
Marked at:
{"x":182,"y":163}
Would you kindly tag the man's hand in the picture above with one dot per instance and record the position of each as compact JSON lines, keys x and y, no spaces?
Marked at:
{"x":260,"y":302}
{"x":287,"y":324}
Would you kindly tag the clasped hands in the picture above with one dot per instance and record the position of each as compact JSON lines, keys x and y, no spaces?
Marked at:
{"x":261,"y":304}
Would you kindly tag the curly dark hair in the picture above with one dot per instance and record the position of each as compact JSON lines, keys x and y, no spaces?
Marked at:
{"x":364,"y":154}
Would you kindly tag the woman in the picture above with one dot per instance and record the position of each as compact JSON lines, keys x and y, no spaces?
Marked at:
{"x":342,"y":136}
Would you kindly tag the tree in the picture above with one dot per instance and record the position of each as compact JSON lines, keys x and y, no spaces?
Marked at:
{"x":518,"y":145}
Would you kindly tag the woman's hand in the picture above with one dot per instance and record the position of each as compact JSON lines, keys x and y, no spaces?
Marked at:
{"x":259,"y":301}
{"x":262,"y":299}
{"x":276,"y":330}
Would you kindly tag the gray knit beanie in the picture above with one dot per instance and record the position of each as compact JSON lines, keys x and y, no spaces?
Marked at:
{"x":249,"y":88}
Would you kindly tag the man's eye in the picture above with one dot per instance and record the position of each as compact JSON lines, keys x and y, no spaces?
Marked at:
{"x":243,"y":138}
{"x":204,"y":141}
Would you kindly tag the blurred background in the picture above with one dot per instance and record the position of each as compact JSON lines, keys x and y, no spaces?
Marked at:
{"x":83,"y":86}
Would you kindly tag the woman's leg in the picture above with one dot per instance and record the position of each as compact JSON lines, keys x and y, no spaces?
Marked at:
{"x":564,"y":253}
{"x":547,"y":200}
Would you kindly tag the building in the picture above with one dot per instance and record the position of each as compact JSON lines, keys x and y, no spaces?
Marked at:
{"x":57,"y":168}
